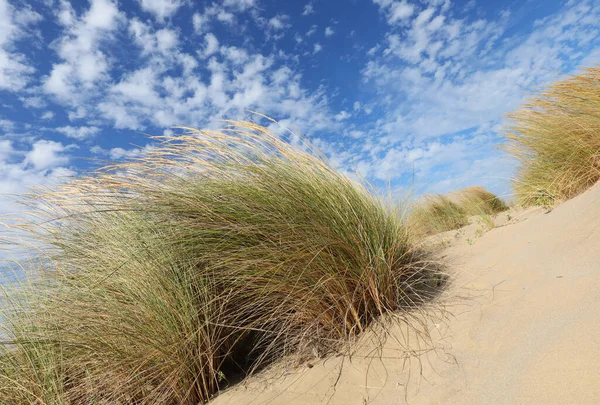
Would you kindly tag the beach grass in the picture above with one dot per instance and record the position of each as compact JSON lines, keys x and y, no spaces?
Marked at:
{"x":170,"y":276}
{"x":436,"y":213}
{"x":555,"y":137}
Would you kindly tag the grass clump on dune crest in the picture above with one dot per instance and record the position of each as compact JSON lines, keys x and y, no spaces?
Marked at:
{"x":438,"y":213}
{"x":556,"y":139}
{"x":204,"y":260}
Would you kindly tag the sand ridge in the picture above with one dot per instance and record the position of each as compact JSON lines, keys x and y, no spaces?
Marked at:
{"x":525,"y":330}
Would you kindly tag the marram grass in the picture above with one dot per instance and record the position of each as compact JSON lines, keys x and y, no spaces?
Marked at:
{"x":438,"y":213}
{"x":211,"y":256}
{"x":555,"y":138}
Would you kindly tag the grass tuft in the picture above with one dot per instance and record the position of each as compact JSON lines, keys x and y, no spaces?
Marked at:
{"x":208,"y":258}
{"x":555,"y":138}
{"x":438,"y":213}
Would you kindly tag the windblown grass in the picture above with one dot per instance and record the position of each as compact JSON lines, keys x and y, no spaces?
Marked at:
{"x":556,"y":139}
{"x":200,"y":262}
{"x":438,"y":213}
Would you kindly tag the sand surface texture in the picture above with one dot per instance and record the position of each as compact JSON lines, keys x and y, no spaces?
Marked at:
{"x":527,"y":330}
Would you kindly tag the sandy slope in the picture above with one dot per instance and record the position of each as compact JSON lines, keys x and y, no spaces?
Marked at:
{"x":527,"y":333}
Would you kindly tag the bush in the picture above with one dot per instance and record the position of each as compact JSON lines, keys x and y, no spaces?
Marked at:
{"x":200,"y":262}
{"x":556,"y":139}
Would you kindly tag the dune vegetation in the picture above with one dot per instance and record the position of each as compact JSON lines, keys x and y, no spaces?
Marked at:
{"x":555,"y":138}
{"x":211,"y":256}
{"x":432,"y":214}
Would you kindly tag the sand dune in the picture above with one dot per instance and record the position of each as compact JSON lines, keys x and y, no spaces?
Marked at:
{"x":525,"y":327}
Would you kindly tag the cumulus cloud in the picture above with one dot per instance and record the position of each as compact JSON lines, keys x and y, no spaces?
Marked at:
{"x":46,"y":154}
{"x":160,"y":9}
{"x":329,"y":31}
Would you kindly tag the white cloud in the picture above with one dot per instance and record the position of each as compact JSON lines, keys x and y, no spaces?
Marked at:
{"x":224,"y":16}
{"x":161,"y":41}
{"x":312,"y":30}
{"x":160,"y":9}
{"x":317,"y":48}
{"x":400,"y":10}
{"x":223,"y":13}
{"x":329,"y":31}
{"x":200,"y":22}
{"x":342,"y":115}
{"x":166,"y":40}
{"x":166,"y":86}
{"x":46,"y":154}
{"x":279,"y":22}
{"x":444,"y":83}
{"x":121,"y":153}
{"x":6,"y":125}
{"x":79,"y":133}
{"x":83,"y":63}
{"x":308,"y":9}
{"x":238,"y":82}
{"x":6,"y":150}
{"x":33,"y":102}
{"x":397,"y":11}
{"x":65,"y":13}
{"x":212,"y":44}
{"x":240,"y":5}
{"x":15,"y":70}
{"x":237,"y":56}
{"x":22,"y":169}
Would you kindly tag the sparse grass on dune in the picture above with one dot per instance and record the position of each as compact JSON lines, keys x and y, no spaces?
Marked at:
{"x":556,"y":139}
{"x":204,"y":260}
{"x":438,"y":213}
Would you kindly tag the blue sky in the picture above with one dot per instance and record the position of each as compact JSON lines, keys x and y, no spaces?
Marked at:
{"x":392,"y":90}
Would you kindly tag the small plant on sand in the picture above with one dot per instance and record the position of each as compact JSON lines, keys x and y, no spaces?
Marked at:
{"x":204,"y":260}
{"x":556,"y":139}
{"x":439,"y":213}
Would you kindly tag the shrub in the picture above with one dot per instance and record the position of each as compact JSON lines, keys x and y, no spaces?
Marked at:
{"x":556,"y":139}
{"x":202,"y":261}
